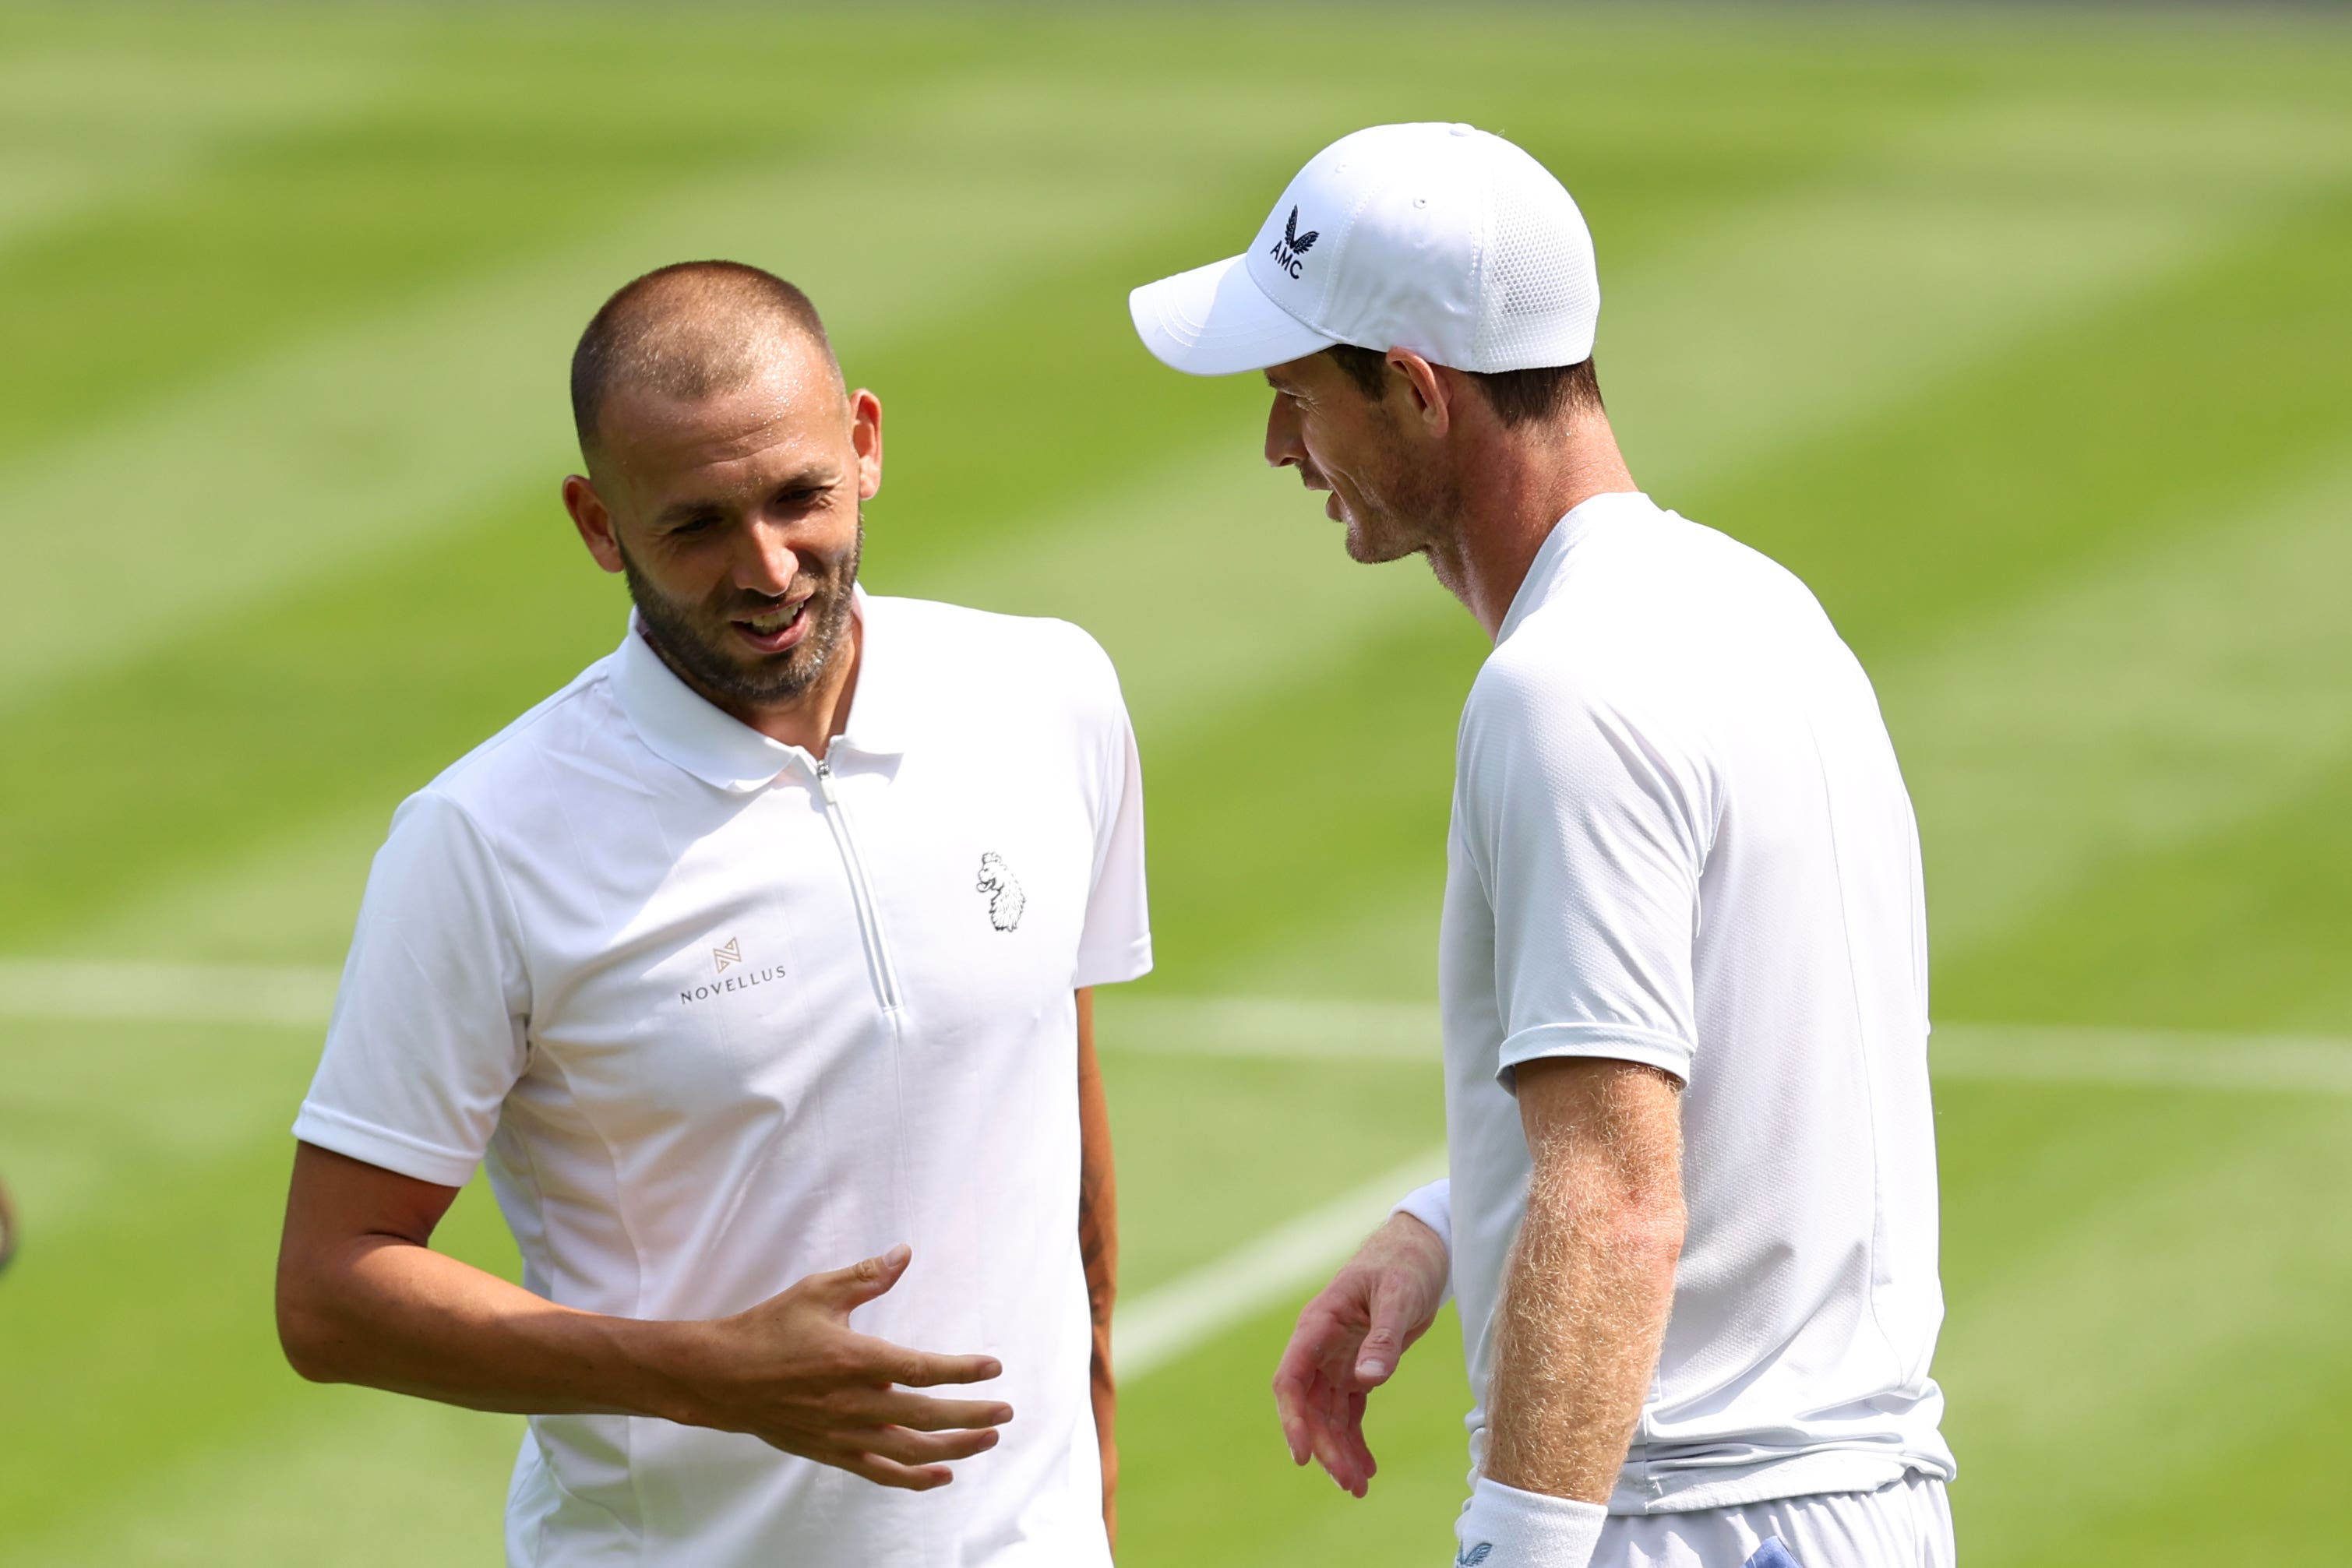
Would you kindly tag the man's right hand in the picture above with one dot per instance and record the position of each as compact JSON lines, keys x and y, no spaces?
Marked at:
{"x":363,"y":1298}
{"x":1348,"y":1341}
{"x":791,"y":1373}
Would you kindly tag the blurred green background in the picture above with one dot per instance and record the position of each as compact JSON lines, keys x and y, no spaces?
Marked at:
{"x":2025,"y":338}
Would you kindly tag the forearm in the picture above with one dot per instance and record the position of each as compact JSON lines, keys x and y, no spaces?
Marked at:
{"x":1099,"y":1248}
{"x":1098,"y":1179}
{"x":1582,"y":1319}
{"x":390,"y":1313}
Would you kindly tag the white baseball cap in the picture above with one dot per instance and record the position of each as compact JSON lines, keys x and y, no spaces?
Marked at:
{"x":1444,"y":239}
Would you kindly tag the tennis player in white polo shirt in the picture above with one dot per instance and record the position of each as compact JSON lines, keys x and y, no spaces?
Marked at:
{"x":1691,"y":1216}
{"x":753,"y":963}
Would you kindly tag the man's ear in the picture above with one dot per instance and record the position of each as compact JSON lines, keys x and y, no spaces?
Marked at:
{"x":1432,"y":395}
{"x":865,"y":436}
{"x":593,"y":521}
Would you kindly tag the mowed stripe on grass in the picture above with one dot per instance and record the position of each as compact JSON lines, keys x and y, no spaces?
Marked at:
{"x":1191,"y":657}
{"x":66,"y":153}
{"x":377,"y":439}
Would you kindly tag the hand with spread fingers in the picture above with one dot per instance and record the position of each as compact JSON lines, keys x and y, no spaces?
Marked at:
{"x":791,"y":1373}
{"x":1348,"y":1341}
{"x":363,"y":1297}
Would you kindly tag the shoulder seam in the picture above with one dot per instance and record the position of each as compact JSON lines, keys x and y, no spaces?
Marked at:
{"x":513,"y":911}
{"x":516,"y":729}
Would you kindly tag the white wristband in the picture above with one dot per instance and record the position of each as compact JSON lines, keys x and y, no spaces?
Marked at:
{"x":1434,"y":1206}
{"x":1506,"y":1527}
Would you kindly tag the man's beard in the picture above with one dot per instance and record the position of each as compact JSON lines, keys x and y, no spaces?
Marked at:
{"x":1403,"y":509}
{"x":693,"y":640}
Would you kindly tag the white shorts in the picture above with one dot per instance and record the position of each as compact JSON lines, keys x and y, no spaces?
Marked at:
{"x":1902,"y":1524}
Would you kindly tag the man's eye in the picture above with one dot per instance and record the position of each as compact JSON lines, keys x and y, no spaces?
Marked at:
{"x":694,"y":525}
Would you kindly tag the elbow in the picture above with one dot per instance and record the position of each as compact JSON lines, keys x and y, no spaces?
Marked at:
{"x":305,"y":1348}
{"x":1648,"y":1234}
{"x":307,"y":1338}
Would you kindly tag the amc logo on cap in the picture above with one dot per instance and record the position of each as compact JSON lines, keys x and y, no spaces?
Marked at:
{"x":1293,"y":245}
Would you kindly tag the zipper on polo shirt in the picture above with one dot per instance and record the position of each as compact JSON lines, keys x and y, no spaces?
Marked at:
{"x":861,"y":891}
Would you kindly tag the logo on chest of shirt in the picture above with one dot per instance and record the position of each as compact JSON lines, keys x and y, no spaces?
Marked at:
{"x":732,"y":972}
{"x":1005,"y":900}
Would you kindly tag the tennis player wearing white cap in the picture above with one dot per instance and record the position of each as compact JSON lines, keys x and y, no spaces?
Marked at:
{"x":1691,"y":1216}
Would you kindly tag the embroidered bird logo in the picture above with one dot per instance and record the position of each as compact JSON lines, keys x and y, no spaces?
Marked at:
{"x":1005,"y":901}
{"x":1300,"y":244}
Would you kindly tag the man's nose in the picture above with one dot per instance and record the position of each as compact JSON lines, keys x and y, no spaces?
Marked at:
{"x":1283,"y":449}
{"x":767,"y":563}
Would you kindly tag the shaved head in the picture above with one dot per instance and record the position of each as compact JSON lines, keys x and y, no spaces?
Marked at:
{"x":686,"y":332}
{"x":727,"y":471}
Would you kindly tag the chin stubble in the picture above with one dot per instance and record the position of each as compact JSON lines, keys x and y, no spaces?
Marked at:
{"x":705,"y":666}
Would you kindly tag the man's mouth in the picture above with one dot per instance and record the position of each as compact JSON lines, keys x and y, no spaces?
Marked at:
{"x":774,"y":630}
{"x":1314,"y":481}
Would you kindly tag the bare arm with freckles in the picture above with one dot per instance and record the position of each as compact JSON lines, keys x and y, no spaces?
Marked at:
{"x":363,"y":1298}
{"x":1591,"y":1276}
{"x":1584,"y":1302}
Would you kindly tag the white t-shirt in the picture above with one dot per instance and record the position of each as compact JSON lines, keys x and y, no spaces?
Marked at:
{"x":711,"y":1034}
{"x":1680,"y":838}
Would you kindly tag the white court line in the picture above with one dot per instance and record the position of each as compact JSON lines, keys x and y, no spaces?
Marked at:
{"x":2303,"y":1064}
{"x":1290,"y":1028}
{"x":1151,"y":1330}
{"x":1291,"y":1261}
{"x":1288,"y":1263}
{"x":113,"y":990}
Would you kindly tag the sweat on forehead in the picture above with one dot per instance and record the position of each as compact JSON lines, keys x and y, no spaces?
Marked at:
{"x":689,"y":330}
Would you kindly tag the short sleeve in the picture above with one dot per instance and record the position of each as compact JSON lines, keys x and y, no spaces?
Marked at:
{"x":428,"y":1029}
{"x":1589,"y":826}
{"x":1116,"y":942}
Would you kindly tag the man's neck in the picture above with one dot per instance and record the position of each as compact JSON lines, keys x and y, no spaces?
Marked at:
{"x":809,"y":721}
{"x":1510,"y":504}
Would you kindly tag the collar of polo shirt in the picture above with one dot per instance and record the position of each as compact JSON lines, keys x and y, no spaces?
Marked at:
{"x":685,"y":728}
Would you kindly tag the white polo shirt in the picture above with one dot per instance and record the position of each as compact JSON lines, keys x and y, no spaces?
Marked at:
{"x":1680,"y":838}
{"x":716,"y":1019}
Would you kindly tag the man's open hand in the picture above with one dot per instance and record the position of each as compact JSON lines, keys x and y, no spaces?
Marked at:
{"x":1348,"y":1341}
{"x":791,"y":1373}
{"x":363,"y":1298}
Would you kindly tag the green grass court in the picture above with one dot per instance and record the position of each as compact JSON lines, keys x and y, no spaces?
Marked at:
{"x":2024,"y":337}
